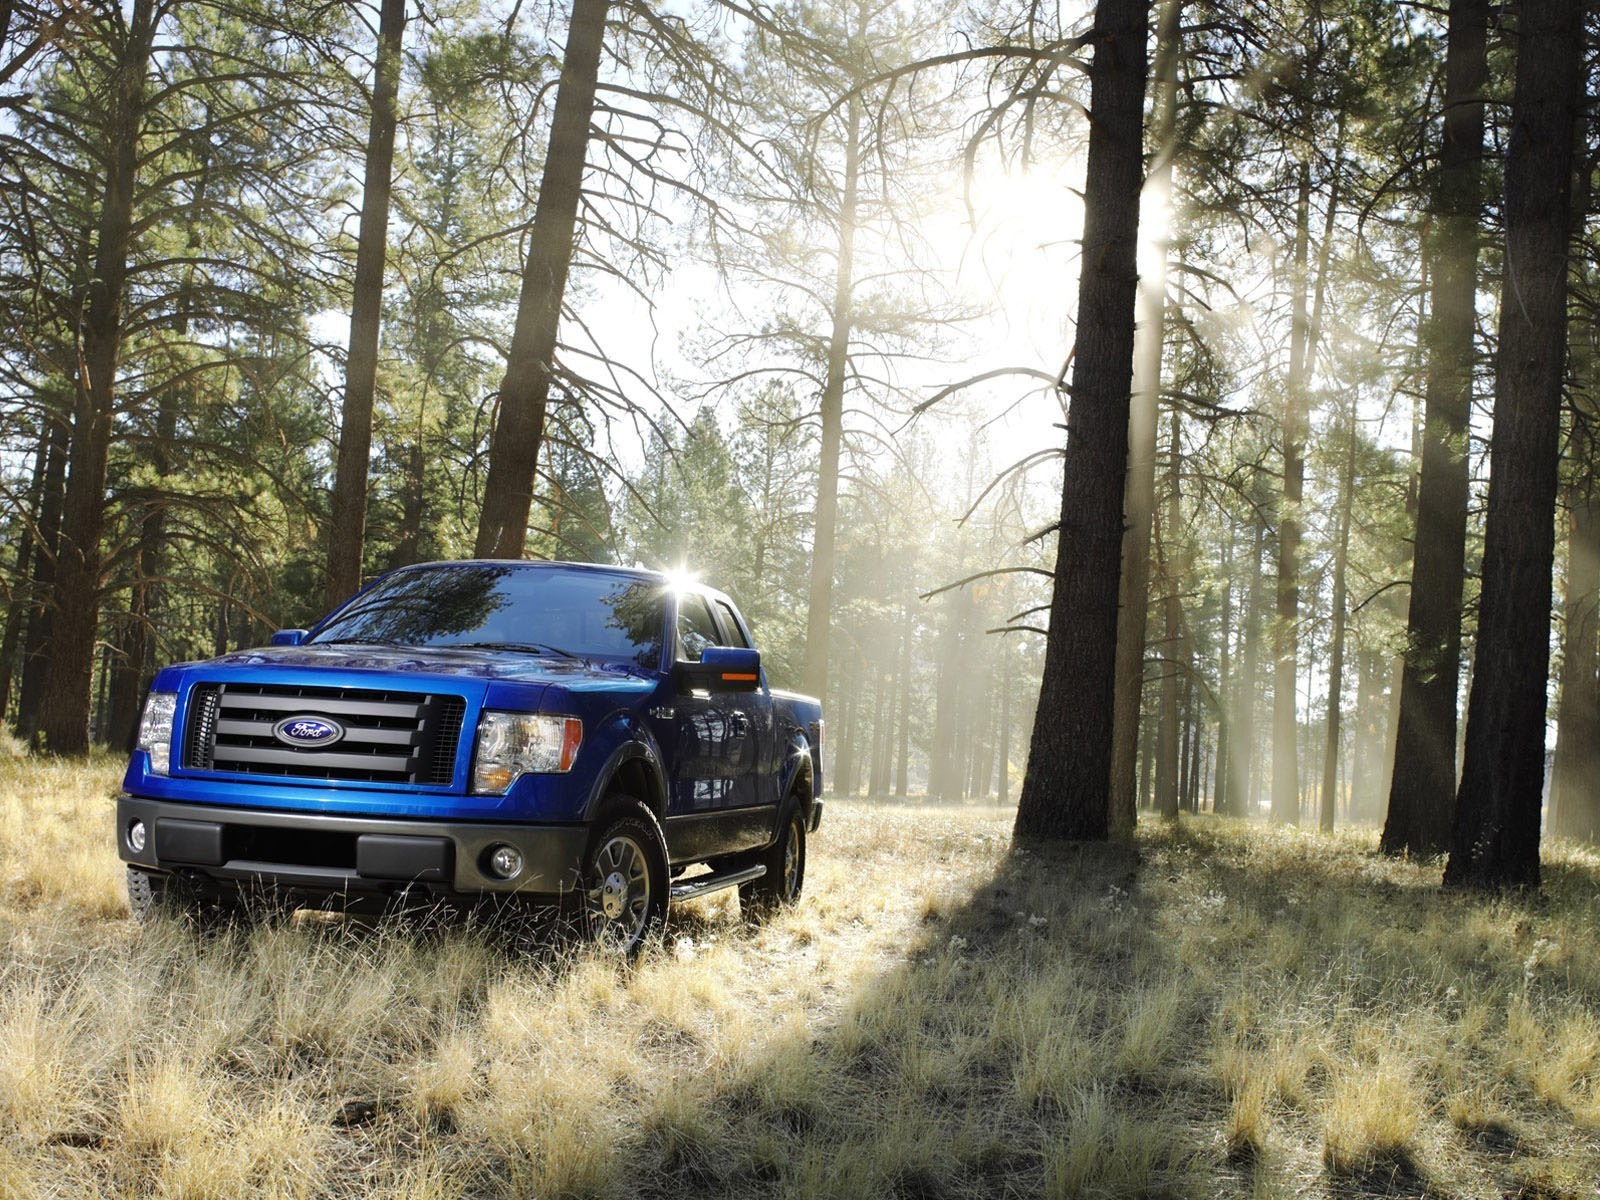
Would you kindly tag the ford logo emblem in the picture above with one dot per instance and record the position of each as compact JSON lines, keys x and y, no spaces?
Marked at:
{"x":308,"y":733}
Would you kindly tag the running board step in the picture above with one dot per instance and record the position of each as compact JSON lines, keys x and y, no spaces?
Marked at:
{"x":702,"y":885}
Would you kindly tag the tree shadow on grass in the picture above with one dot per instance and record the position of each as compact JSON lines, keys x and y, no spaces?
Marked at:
{"x":1064,"y":1028}
{"x":1035,"y":1040}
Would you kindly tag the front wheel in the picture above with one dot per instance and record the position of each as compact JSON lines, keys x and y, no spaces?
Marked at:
{"x":153,"y":896}
{"x":625,"y":880}
{"x":785,"y":860}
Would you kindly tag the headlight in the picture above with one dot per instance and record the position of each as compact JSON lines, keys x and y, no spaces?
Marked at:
{"x":512,"y":744}
{"x":155,"y":730}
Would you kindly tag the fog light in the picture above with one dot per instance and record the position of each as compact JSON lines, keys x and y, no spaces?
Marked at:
{"x":136,"y":836}
{"x":505,"y":861}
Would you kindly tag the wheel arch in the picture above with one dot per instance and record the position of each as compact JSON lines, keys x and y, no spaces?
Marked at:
{"x":632,"y":770}
{"x":798,"y":777}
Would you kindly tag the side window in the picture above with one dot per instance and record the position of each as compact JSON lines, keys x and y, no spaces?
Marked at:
{"x":731,"y":626}
{"x":696,"y":629}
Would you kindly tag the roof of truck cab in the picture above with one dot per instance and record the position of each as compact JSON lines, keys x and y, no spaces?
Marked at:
{"x":599,"y":568}
{"x":641,"y":573}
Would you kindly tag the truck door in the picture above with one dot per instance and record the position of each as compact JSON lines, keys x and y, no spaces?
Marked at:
{"x":754,"y":715}
{"x":714,"y":748}
{"x":719,"y":802}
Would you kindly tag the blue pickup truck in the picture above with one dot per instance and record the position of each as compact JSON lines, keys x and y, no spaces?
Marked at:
{"x":480,"y":731}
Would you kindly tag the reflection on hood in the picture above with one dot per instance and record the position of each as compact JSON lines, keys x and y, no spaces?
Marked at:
{"x":477,"y":664}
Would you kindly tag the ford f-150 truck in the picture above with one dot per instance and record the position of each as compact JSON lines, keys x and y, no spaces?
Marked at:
{"x":471,"y":731}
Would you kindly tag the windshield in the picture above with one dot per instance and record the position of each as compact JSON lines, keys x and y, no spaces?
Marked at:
{"x":541,"y":610}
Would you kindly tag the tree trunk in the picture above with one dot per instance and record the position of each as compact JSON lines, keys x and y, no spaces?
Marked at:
{"x":128,"y":680}
{"x":1170,"y":757}
{"x":1139,"y":491}
{"x":1366,"y":748}
{"x":1242,"y":746}
{"x":878,"y":776}
{"x":1495,"y":840}
{"x":1197,"y":727}
{"x":1147,"y":765}
{"x":1003,"y":748}
{"x":1286,"y":631}
{"x":1422,"y":790}
{"x":1304,"y":329}
{"x":41,"y":610}
{"x":1190,"y":740}
{"x":844,"y":770}
{"x":1341,"y":552}
{"x":902,"y":768}
{"x":1220,"y":782}
{"x":408,"y":545}
{"x":819,"y":612}
{"x":525,"y":390}
{"x":22,"y":593}
{"x":1575,"y":779}
{"x":942,"y":754}
{"x":64,"y":715}
{"x":347,"y":528}
{"x":1065,"y":792}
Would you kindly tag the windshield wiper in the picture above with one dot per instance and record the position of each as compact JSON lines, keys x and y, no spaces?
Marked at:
{"x":526,"y":647}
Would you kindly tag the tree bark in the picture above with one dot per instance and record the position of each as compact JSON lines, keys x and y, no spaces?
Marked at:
{"x":1065,"y":792}
{"x":530,"y":365}
{"x":348,"y":524}
{"x":64,"y":715}
{"x":1495,"y":839}
{"x":1422,"y":788}
{"x":1139,"y":493}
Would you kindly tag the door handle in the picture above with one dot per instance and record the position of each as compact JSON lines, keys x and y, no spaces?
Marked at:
{"x":740,"y":724}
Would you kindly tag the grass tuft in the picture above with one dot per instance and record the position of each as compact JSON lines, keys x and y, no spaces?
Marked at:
{"x":1372,"y":1119}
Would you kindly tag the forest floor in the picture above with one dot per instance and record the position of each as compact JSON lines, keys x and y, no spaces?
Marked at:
{"x":1234,"y":1011}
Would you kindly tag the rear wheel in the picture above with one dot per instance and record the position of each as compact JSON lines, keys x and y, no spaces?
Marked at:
{"x":625,"y":879}
{"x":785,"y":861}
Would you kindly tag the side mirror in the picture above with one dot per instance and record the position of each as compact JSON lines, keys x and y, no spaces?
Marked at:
{"x":289,"y":637}
{"x":723,"y":669}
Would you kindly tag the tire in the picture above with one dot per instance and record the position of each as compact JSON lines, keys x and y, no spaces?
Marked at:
{"x":153,"y":897}
{"x":625,"y":880}
{"x":779,"y":889}
{"x":148,"y":896}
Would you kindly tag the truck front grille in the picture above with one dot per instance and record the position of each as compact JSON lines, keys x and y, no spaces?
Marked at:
{"x":389,"y":737}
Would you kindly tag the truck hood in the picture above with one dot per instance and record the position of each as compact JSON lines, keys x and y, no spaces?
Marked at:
{"x":512,"y":665}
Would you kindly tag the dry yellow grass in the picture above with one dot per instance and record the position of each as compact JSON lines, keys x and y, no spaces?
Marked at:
{"x":1236,"y":1012}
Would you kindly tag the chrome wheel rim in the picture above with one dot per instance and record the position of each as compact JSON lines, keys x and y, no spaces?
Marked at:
{"x":791,"y":860}
{"x":617,"y":892}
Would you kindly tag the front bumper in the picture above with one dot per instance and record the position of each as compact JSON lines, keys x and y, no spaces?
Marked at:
{"x":321,"y":855}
